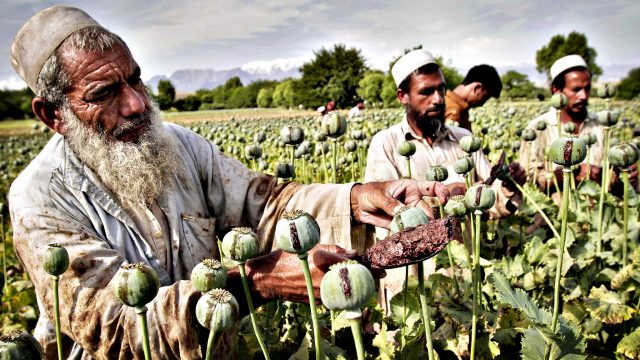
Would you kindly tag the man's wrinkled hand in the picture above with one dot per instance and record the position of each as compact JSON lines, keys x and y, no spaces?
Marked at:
{"x":375,"y":203}
{"x":279,"y":275}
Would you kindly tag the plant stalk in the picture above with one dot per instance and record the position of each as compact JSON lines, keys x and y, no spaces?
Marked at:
{"x":252,"y":311}
{"x":142,"y":320}
{"x":426,"y":319}
{"x":335,"y":161}
{"x":356,"y":329}
{"x":625,"y":214}
{"x":56,"y":310}
{"x":210,"y":343}
{"x":312,"y":305}
{"x":604,"y":182}
{"x":476,"y":280}
{"x":566,"y":175}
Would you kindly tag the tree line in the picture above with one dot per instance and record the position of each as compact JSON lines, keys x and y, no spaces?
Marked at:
{"x":341,"y":74}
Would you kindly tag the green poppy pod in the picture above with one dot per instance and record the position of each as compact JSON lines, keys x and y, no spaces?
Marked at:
{"x":515,"y":145}
{"x":209,"y":274}
{"x":623,"y":155}
{"x":528,"y":135}
{"x":407,"y":217}
{"x":567,"y":151}
{"x":262,"y":165}
{"x":606,"y":91}
{"x":253,"y":151}
{"x":479,"y":197}
{"x":217,"y":310}
{"x":569,"y":127}
{"x":541,"y":125}
{"x":437,"y":173}
{"x":347,"y":286}
{"x":135,"y":284}
{"x":18,"y":345}
{"x":334,"y":124}
{"x":357,"y":135}
{"x":55,"y":260}
{"x":406,"y":148}
{"x":352,"y":157}
{"x":589,"y":139}
{"x":350,"y":146}
{"x":260,"y":137}
{"x":297,"y":232}
{"x":240,"y":244}
{"x":292,"y":135}
{"x":470,"y":144}
{"x":456,"y":207}
{"x":608,"y":118}
{"x":496,"y":145}
{"x":463,"y":165}
{"x":285,"y":170}
{"x":319,"y":136}
{"x":558,"y":101}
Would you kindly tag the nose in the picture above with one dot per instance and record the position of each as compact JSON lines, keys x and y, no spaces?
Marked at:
{"x":438,"y":97}
{"x":132,"y":102}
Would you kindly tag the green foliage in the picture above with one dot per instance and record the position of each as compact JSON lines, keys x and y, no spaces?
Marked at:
{"x":629,"y":346}
{"x":629,"y":87}
{"x":517,"y":85}
{"x":189,"y":103}
{"x":332,"y":75}
{"x":16,"y":104}
{"x":265,"y":97}
{"x":559,"y":46}
{"x":166,"y":94}
{"x":389,"y":91}
{"x":284,"y":94}
{"x":370,"y":87}
{"x":451,"y":75}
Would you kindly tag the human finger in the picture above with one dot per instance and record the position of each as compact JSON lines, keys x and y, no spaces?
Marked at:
{"x":324,"y":259}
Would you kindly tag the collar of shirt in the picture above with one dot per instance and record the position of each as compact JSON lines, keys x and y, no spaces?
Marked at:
{"x":442,"y":133}
{"x":452,"y":96}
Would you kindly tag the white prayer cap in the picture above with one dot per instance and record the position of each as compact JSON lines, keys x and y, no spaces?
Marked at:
{"x":410,"y":62}
{"x":566,"y":63}
{"x":41,"y":35}
{"x":321,"y":109}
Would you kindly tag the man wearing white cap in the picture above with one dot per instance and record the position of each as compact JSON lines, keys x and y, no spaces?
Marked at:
{"x":571,"y":77}
{"x":421,"y":90}
{"x":116,"y":185}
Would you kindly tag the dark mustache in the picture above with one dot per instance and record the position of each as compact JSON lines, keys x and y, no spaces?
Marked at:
{"x":133,"y":122}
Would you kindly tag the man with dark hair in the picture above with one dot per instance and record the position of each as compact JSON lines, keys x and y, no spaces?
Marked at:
{"x":481,"y":83}
{"x":116,"y":185}
{"x":420,"y":89}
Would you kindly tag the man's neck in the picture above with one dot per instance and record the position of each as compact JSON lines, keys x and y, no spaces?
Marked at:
{"x":576,"y":118}
{"x":427,"y":134}
{"x":462,"y":91}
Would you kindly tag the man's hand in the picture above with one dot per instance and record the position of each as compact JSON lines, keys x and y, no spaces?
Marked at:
{"x":518,"y":174}
{"x":278,"y":275}
{"x":456,"y":188}
{"x":375,"y":203}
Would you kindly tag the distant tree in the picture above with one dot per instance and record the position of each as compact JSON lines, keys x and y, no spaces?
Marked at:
{"x":332,"y":75}
{"x":189,"y":103}
{"x":240,"y":97}
{"x":629,"y":87}
{"x":284,"y":94}
{"x":389,"y":91}
{"x":518,"y":85}
{"x":16,"y":104}
{"x":166,"y":94}
{"x":370,"y":87}
{"x":232,"y":83}
{"x":559,"y":46}
{"x":265,"y":97}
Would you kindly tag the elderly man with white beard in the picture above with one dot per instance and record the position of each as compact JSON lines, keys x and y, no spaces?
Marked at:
{"x":114,"y":185}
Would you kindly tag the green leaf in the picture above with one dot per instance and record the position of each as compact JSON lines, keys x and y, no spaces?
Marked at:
{"x":381,"y":341}
{"x":453,"y":337}
{"x":519,"y":300}
{"x":629,"y":346}
{"x":412,"y":308}
{"x":533,"y":345}
{"x":607,"y":306}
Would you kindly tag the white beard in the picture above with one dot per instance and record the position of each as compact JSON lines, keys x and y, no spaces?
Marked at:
{"x":137,"y":173}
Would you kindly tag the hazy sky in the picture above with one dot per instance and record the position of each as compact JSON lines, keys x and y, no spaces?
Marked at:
{"x":167,"y":35}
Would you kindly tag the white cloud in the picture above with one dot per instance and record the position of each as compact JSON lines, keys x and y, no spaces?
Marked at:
{"x":268,"y":66}
{"x":12,"y":83}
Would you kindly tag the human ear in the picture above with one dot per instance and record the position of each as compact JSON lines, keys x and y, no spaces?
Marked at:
{"x":49,"y":113}
{"x":402,"y":96}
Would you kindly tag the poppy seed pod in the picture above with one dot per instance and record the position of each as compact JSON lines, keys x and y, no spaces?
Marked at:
{"x":606,"y":91}
{"x":217,"y":310}
{"x":347,"y":286}
{"x":623,"y":155}
{"x":292,"y":135}
{"x":285,"y":170}
{"x":319,"y":136}
{"x":569,"y":127}
{"x":589,"y":139}
{"x":567,"y":151}
{"x":558,"y":101}
{"x":437,"y":173}
{"x":135,"y":284}
{"x":541,"y":125}
{"x":515,"y":145}
{"x":350,"y":146}
{"x":479,"y":197}
{"x":209,"y":274}
{"x":253,"y":151}
{"x":260,"y":137}
{"x":19,"y":345}
{"x":357,"y":135}
{"x":297,"y":232}
{"x":55,"y":260}
{"x":470,"y":144}
{"x":406,"y":148}
{"x":407,"y":217}
{"x":463,"y":165}
{"x":240,"y":244}
{"x":608,"y":118}
{"x":456,"y":207}
{"x":528,"y":135}
{"x":334,"y":125}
